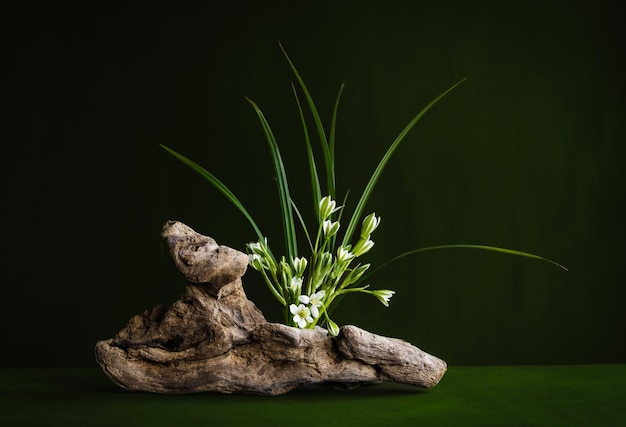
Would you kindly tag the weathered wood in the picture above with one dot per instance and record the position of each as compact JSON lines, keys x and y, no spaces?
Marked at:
{"x":215,"y":339}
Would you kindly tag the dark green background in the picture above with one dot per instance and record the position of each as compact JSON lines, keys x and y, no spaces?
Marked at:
{"x":527,"y":154}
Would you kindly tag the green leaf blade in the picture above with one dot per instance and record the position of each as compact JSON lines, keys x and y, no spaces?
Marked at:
{"x":383,"y":162}
{"x":218,"y":185}
{"x":315,"y":181}
{"x":289,"y":229}
{"x":328,"y":157}
{"x":462,"y":246}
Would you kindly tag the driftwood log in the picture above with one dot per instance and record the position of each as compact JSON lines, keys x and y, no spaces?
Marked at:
{"x":214,"y":339}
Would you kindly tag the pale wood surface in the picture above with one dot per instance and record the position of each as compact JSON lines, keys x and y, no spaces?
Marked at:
{"x":214,"y":339}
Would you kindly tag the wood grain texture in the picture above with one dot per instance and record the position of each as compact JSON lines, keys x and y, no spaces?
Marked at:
{"x":214,"y":339}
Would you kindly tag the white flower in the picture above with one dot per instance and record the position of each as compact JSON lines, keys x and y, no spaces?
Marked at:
{"x":299,"y":265}
{"x":383,"y":295}
{"x":343,"y":254}
{"x":301,"y":315}
{"x":369,"y":225}
{"x":330,"y":228}
{"x":315,"y":300}
{"x":327,"y":206}
{"x":295,"y":284}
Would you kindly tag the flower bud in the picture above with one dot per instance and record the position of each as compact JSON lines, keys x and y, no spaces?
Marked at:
{"x":285,"y":268}
{"x":330,"y":228}
{"x":383,"y":295}
{"x":332,"y":328}
{"x":256,"y":261}
{"x":326,"y":207}
{"x":258,"y":247}
{"x":295,"y":285}
{"x":325,"y":263}
{"x":357,"y":273}
{"x":299,"y":265}
{"x":369,"y":225}
{"x":363,"y":246}
{"x":344,"y":255}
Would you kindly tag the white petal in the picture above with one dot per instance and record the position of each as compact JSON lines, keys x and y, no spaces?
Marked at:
{"x":318,"y":295}
{"x":314,"y":311}
{"x":303,"y":299}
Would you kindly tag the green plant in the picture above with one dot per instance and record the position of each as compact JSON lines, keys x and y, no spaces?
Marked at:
{"x":308,"y":288}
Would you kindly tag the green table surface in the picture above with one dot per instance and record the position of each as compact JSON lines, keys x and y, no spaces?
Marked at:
{"x":581,"y":395}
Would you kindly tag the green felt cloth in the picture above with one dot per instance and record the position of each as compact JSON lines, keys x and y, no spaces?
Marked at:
{"x":586,"y":395}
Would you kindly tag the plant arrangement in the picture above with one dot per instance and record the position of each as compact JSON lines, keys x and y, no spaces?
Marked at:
{"x":310,"y":280}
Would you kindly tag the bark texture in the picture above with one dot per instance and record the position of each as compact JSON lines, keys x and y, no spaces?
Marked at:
{"x":214,"y":339}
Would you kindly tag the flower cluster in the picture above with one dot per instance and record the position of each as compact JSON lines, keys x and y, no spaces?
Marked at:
{"x":307,"y":288}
